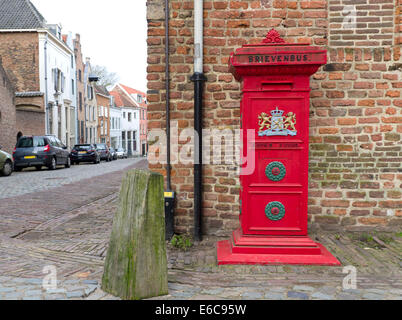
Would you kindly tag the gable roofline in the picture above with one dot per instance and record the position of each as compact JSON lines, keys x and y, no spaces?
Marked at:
{"x":122,"y":87}
{"x":20,"y":14}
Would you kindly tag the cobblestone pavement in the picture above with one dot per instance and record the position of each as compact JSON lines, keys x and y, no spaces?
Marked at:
{"x":30,"y":180}
{"x":69,"y":228}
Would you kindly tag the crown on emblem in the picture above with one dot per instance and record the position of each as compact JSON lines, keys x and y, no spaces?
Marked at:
{"x":277,"y":113}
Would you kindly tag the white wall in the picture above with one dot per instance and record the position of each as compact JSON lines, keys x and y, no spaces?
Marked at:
{"x":60,"y":56}
{"x":116,"y":115}
{"x":132,"y":126}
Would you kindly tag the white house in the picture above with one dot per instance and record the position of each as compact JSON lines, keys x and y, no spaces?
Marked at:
{"x":130,"y":121}
{"x":130,"y":130}
{"x":57,"y":69}
{"x":116,"y":116}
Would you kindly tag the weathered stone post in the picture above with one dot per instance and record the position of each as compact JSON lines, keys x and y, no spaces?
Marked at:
{"x":136,"y":262}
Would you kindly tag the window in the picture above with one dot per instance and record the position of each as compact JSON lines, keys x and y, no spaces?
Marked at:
{"x":124,"y":115}
{"x":129,"y":116}
{"x":80,"y":100}
{"x":72,"y":87}
{"x":25,"y":143}
{"x":80,"y":75}
{"x":39,"y":142}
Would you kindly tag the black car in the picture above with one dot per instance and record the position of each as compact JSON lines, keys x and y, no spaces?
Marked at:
{"x":103,"y":151}
{"x":85,"y":153}
{"x":39,"y":151}
{"x":113,"y":152}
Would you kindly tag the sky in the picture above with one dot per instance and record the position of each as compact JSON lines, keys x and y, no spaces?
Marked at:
{"x":113,"y":33}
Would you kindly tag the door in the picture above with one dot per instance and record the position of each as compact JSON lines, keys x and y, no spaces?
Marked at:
{"x":274,"y":196}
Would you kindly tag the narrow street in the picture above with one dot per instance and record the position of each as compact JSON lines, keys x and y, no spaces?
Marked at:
{"x":67,"y":226}
{"x":65,"y":223}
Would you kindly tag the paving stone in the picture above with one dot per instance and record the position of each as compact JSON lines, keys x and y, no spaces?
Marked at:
{"x":252,"y":295}
{"x":12,"y":296}
{"x":54,"y":297}
{"x":303,"y":288}
{"x":56,"y":291}
{"x":90,"y":289}
{"x":5,"y":290}
{"x":32,"y":298}
{"x":90,"y":282}
{"x":297,"y":295}
{"x":347,"y":296}
{"x":372,"y":296}
{"x":274,"y":296}
{"x":200,"y":297}
{"x":97,"y":295}
{"x":214,"y":291}
{"x":321,"y":296}
{"x":75,"y":294}
{"x":33,"y":292}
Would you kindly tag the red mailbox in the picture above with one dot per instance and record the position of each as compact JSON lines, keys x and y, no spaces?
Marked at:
{"x":273,"y":199}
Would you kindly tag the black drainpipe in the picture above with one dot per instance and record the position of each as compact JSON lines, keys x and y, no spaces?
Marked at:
{"x":198,"y":79}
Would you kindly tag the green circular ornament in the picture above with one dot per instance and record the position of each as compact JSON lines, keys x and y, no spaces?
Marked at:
{"x":275,"y":211}
{"x":275,"y":171}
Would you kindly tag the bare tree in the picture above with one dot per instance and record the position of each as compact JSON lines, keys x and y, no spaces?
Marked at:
{"x":106,"y":78}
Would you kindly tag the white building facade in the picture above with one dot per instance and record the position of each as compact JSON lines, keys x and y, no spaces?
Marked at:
{"x":130,"y":130}
{"x":116,"y":116}
{"x":57,"y":70}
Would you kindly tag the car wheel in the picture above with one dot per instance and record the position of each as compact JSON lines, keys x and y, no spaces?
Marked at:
{"x":38,"y":168}
{"x":53,"y":164}
{"x":68,"y":164}
{"x":7,"y":169}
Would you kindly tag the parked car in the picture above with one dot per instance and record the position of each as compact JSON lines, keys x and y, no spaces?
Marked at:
{"x":121,"y":153}
{"x":6,"y":163}
{"x":39,"y":151}
{"x":113,"y":153}
{"x":85,"y":153}
{"x":103,"y":151}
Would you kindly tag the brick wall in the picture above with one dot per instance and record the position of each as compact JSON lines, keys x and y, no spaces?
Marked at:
{"x":80,"y":89}
{"x":20,"y":56}
{"x":356,"y":122}
{"x":8,"y":133}
{"x":31,"y":123}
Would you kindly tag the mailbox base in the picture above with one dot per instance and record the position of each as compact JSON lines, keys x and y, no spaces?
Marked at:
{"x":265,"y":250}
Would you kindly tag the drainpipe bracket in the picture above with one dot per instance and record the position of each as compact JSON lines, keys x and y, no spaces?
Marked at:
{"x":198,"y":76}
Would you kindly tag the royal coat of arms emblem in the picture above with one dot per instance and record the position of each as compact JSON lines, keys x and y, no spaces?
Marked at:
{"x":277,"y":124}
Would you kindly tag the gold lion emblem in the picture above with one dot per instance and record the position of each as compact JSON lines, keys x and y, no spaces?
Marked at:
{"x":277,"y":124}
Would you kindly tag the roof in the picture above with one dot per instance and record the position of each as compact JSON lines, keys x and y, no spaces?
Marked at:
{"x":20,"y":14}
{"x":121,"y":100}
{"x":132,"y":91}
{"x":127,"y":92}
{"x":101,"y":90}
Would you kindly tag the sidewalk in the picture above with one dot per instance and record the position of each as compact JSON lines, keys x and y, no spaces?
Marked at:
{"x":73,"y":237}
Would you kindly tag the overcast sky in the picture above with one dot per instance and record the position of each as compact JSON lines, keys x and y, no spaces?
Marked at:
{"x":113,"y":33}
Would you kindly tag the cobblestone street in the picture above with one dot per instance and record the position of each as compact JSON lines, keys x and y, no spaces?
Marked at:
{"x":67,"y":225}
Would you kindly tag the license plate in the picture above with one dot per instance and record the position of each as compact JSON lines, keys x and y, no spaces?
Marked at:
{"x":30,"y":157}
{"x":82,"y":152}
